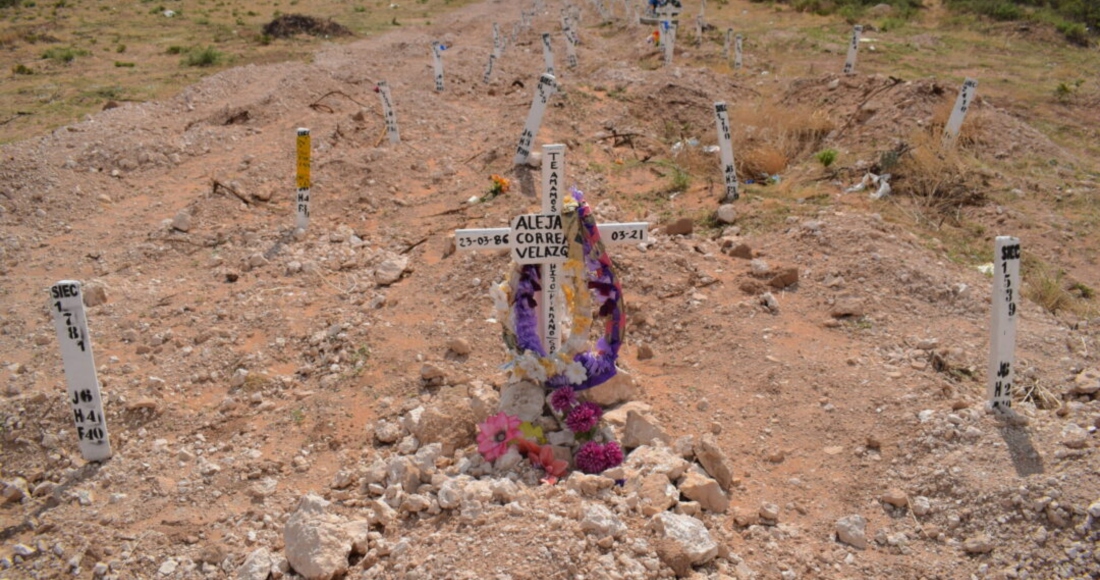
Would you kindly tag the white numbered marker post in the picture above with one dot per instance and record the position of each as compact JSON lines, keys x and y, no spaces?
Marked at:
{"x":67,"y":307}
{"x":1002,"y":340}
{"x":498,"y":41}
{"x":437,"y":64}
{"x":548,"y":53}
{"x":726,"y":46}
{"x":302,"y":198}
{"x":853,"y":50}
{"x":387,"y":112}
{"x":543,"y":91}
{"x":737,"y":43}
{"x":489,"y":68}
{"x":725,"y":147}
{"x":540,"y":239}
{"x":668,"y":39}
{"x":958,"y":114}
{"x":699,"y":30}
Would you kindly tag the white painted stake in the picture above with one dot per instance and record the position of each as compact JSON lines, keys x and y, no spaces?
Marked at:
{"x":1002,"y":340}
{"x":958,"y":114}
{"x":498,"y":41}
{"x":702,"y":8}
{"x":437,"y":63}
{"x":853,"y":49}
{"x":725,"y":147}
{"x":729,"y":43}
{"x":548,"y":53}
{"x":699,"y":30}
{"x":387,"y":112}
{"x":570,"y":53}
{"x":540,"y":239}
{"x":571,"y":39}
{"x":668,"y":39}
{"x":303,"y":180}
{"x":738,"y":41}
{"x":543,"y":91}
{"x":67,"y":307}
{"x":489,"y":68}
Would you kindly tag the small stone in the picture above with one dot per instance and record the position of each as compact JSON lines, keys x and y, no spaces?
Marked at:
{"x":23,"y":550}
{"x":1074,"y":437}
{"x":714,"y":461}
{"x":94,"y":294}
{"x":769,"y":301}
{"x":430,"y":372}
{"x":920,"y":505}
{"x":847,"y":306}
{"x":618,"y":389}
{"x":391,"y":270}
{"x":387,"y":432}
{"x":1087,"y":382}
{"x":600,"y":521}
{"x":851,"y":531}
{"x":688,"y":543}
{"x":317,"y":542}
{"x":895,"y":497}
{"x":680,"y":227}
{"x":656,"y":494}
{"x":698,"y":487}
{"x":746,"y":517}
{"x":522,"y":399}
{"x":182,"y":221}
{"x":769,"y":512}
{"x":459,"y":346}
{"x":726,"y":214}
{"x":760,"y":267}
{"x":168,"y":567}
{"x":257,"y":566}
{"x":980,"y":544}
{"x":784,"y":278}
{"x":742,"y":251}
{"x":640,"y":430}
{"x":645,"y":352}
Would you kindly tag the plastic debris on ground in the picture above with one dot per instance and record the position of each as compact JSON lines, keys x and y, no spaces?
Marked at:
{"x":880,"y":182}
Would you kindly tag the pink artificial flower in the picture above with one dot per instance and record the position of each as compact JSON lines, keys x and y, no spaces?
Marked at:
{"x":544,"y":458}
{"x":495,"y":434}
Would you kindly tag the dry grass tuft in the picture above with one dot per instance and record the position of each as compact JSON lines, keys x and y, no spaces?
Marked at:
{"x":973,"y":130}
{"x":1049,"y":287}
{"x":767,"y":137}
{"x":936,"y":177}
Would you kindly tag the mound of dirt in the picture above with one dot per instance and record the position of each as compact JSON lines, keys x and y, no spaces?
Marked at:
{"x":289,"y":25}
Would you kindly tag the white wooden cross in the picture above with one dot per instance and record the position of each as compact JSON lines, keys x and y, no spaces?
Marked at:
{"x":540,"y":239}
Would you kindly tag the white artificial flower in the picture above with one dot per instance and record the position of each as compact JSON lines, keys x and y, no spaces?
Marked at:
{"x":576,"y":373}
{"x":530,"y":364}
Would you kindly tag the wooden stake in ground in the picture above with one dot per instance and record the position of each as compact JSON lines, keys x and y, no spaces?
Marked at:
{"x":727,"y":44}
{"x":958,"y":114}
{"x":853,"y":50}
{"x":1002,"y":339}
{"x":725,"y":148}
{"x":498,"y":41}
{"x":548,"y":53}
{"x":437,"y":63}
{"x":699,"y":30}
{"x":737,"y":54}
{"x":303,"y":180}
{"x":543,"y":91}
{"x":67,"y":307}
{"x":387,"y":112}
{"x":571,"y":39}
{"x":540,"y":239}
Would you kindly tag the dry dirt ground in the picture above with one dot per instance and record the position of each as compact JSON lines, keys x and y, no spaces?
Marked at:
{"x":244,"y":367}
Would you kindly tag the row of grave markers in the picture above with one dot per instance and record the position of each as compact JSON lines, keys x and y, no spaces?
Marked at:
{"x":533,"y":239}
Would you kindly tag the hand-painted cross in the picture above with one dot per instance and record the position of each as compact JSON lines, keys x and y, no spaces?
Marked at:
{"x":540,"y":239}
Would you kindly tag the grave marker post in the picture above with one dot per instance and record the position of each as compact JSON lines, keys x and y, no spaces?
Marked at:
{"x":543,"y":91}
{"x":303,"y":180}
{"x":437,"y":64}
{"x":489,"y":68}
{"x":387,"y":112}
{"x":668,"y":39}
{"x":958,"y":114}
{"x":737,"y":55}
{"x":540,"y":239}
{"x":726,"y":46}
{"x":725,"y":147}
{"x":85,"y":399}
{"x":548,"y":53}
{"x":699,"y":30}
{"x":853,"y":50}
{"x":1002,"y":340}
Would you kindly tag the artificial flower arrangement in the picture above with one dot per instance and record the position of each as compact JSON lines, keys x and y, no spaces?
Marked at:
{"x":594,"y":295}
{"x":499,"y":186}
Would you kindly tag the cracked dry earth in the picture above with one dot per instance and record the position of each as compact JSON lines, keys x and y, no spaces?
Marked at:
{"x":806,"y":379}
